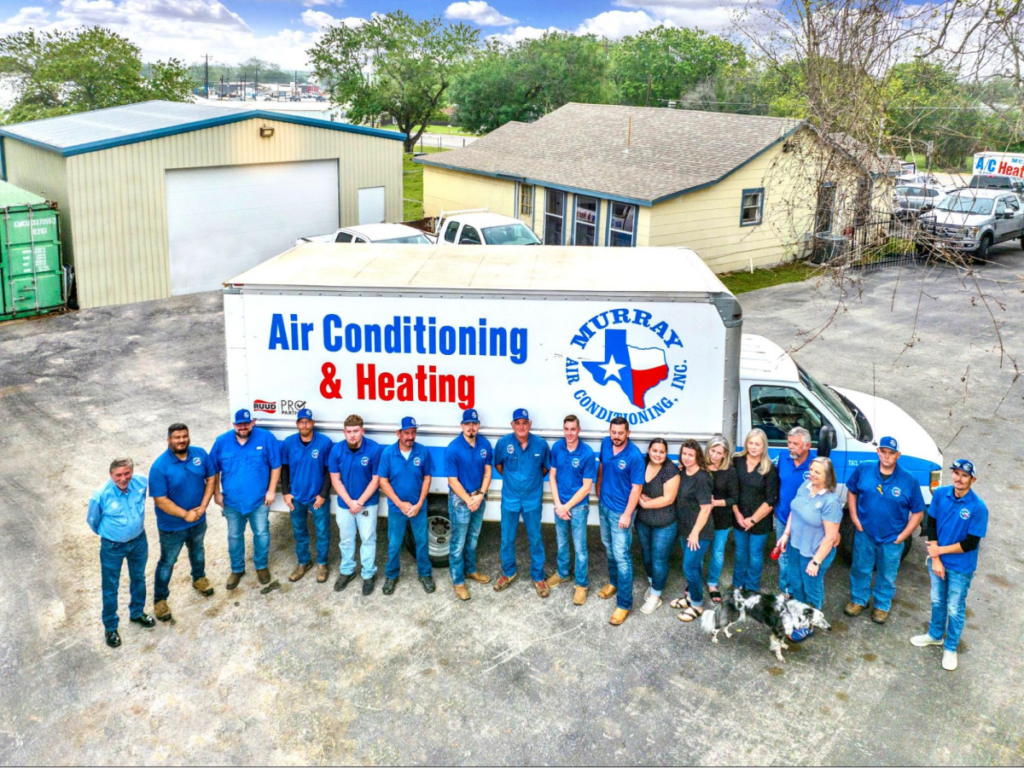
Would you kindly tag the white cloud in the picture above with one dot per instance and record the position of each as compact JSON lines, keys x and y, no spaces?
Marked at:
{"x":709,"y":15}
{"x":478,"y":12}
{"x":31,"y":16}
{"x":321,"y":3}
{"x":617,"y":24}
{"x":519,"y":34}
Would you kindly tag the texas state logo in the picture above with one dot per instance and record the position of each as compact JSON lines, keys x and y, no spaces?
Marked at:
{"x":626,"y":362}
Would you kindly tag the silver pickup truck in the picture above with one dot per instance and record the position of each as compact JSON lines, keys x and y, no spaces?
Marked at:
{"x":973,"y":220}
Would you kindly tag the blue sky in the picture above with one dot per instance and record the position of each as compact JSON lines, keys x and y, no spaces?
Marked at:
{"x":282,"y":30}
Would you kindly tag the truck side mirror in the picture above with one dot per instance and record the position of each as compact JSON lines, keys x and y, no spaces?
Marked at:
{"x":826,"y":440}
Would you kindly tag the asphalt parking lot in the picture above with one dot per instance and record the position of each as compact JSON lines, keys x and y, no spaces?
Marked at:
{"x":303,"y":675}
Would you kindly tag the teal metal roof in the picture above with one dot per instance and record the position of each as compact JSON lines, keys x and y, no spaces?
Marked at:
{"x":12,"y":196}
{"x":106,"y":128}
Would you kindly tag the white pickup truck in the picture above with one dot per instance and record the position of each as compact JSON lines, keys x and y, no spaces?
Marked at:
{"x":480,"y":227}
{"x":370,"y":233}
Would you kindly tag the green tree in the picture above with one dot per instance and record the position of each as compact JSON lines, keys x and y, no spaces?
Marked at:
{"x":528,"y":80}
{"x":393,"y":65}
{"x":59,"y":73}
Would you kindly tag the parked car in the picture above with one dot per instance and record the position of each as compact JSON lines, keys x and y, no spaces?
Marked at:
{"x":973,"y":220}
{"x":911,"y":199}
{"x":370,"y":233}
{"x":1001,"y":183}
{"x":482,"y":228}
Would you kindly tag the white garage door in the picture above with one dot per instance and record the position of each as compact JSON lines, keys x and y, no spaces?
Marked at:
{"x":222,"y":221}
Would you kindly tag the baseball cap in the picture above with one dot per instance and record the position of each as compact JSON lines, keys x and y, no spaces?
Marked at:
{"x":964,"y":465}
{"x":242,"y":416}
{"x":304,"y":413}
{"x":890,"y":443}
{"x":470,"y":415}
{"x":408,"y":422}
{"x":520,"y":413}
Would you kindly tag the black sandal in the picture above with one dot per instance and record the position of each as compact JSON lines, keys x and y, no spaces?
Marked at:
{"x":716,"y":596}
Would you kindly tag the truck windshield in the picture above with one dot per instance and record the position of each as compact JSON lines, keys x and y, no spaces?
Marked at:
{"x":510,"y":234}
{"x":415,"y":239}
{"x":831,"y":401}
{"x":966,"y":204}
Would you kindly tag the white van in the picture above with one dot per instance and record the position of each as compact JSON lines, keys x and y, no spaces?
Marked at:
{"x":650,"y":334}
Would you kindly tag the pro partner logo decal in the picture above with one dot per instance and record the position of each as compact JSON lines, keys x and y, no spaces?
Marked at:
{"x":626,"y":362}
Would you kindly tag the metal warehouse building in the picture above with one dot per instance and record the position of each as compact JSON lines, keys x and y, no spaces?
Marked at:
{"x":162,"y":198}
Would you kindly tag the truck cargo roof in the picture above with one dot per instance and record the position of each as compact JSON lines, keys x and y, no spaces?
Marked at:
{"x":487,"y":269}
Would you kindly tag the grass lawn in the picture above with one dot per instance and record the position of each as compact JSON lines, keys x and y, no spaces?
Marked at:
{"x":741,"y":282}
{"x":448,"y":130}
{"x":412,"y":186}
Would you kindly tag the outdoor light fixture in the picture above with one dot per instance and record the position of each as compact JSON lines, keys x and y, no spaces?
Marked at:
{"x":266,"y":133}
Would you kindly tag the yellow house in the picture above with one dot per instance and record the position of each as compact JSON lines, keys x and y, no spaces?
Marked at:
{"x":740,"y":190}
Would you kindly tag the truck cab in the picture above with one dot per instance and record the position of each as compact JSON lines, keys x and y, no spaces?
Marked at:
{"x":483,"y":228}
{"x":973,"y":220}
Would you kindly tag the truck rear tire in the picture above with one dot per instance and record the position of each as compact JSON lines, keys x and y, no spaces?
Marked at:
{"x":438,"y":531}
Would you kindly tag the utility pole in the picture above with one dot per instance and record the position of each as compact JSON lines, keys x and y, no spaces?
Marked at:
{"x":256,"y":84}
{"x":245,"y":82}
{"x":206,"y":78}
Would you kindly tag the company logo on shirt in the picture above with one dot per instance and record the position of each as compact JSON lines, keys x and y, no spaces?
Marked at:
{"x":575,"y":463}
{"x":896,"y":492}
{"x":622,"y":463}
{"x":511,"y":450}
{"x":626,"y":363}
{"x":264,"y":406}
{"x":197,"y":461}
{"x":416,"y":461}
{"x":807,"y":474}
{"x":965,"y":514}
{"x":483,"y":453}
{"x":365,"y":461}
{"x":315,"y":453}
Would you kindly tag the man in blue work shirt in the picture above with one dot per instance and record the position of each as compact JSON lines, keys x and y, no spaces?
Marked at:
{"x":181,"y":485}
{"x":573,"y":472}
{"x":247,"y":461}
{"x":957,"y":522}
{"x":467,"y":463}
{"x":886,"y":506}
{"x":116,"y":513}
{"x":405,"y":470}
{"x":306,"y":487}
{"x":523,"y":461}
{"x":354,"y":465}
{"x":793,"y":466}
{"x":620,"y":478}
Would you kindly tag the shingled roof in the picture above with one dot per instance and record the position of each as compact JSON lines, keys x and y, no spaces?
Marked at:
{"x":639,"y":154}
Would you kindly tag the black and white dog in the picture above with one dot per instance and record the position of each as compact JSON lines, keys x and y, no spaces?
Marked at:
{"x":781,"y":616}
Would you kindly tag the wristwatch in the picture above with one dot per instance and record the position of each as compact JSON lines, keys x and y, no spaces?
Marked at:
{"x":815,"y":563}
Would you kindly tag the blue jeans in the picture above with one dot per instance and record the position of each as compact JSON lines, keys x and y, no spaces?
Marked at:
{"x":171,"y":543}
{"x":808,"y":589}
{"x":396,"y":536}
{"x":656,"y":547}
{"x":717,"y":556}
{"x":693,"y":567}
{"x":365,"y":523}
{"x":465,"y":533}
{"x":112,"y":555}
{"x":870,"y":556}
{"x":259,"y":522}
{"x":949,"y":606}
{"x":574,"y":529}
{"x":509,"y":526}
{"x":300,"y":527}
{"x":746,"y":570}
{"x":618,"y":542}
{"x":780,"y":528}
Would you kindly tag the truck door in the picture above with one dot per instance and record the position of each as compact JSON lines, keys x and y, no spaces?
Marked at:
{"x":777,"y":408}
{"x":1015,"y":223}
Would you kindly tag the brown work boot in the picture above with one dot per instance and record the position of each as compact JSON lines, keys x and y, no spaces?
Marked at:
{"x":579,"y":597}
{"x":554,"y":580}
{"x":203,"y":586}
{"x":462,"y":592}
{"x":298,"y":573}
{"x":234,"y":578}
{"x":162,"y":610}
{"x":479,"y":578}
{"x":322,"y":574}
{"x":877,"y":616}
{"x":263,"y":574}
{"x":607,"y":591}
{"x":853,"y":609}
{"x":618,"y":616}
{"x":542,"y":588}
{"x":504,"y":581}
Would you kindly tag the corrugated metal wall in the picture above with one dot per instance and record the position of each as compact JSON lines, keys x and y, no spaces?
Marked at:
{"x":118,"y":204}
{"x":43,"y":172}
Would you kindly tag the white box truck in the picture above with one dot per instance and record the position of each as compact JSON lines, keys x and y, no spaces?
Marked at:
{"x":650,"y":334}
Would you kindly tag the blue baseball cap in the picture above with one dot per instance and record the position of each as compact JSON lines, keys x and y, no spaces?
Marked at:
{"x":890,"y":443}
{"x":470,"y":416}
{"x":304,"y":413}
{"x":408,"y":422}
{"x":520,"y":413}
{"x":242,"y":416}
{"x":963,"y":465}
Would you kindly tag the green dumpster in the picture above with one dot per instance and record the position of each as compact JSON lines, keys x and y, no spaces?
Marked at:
{"x":31,"y":269}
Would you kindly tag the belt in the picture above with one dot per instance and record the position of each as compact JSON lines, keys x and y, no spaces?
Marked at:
{"x":129,"y":541}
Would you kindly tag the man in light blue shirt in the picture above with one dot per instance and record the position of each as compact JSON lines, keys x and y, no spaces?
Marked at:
{"x":117,"y":510}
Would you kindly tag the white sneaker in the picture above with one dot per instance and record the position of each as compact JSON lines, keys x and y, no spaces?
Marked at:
{"x":949,"y":660}
{"x":647,"y":594}
{"x":923,"y":641}
{"x":651,"y":604}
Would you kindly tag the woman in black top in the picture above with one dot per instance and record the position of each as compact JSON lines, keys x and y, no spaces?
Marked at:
{"x":725,"y":493}
{"x":759,"y":493}
{"x":694,"y":505}
{"x":656,"y":520}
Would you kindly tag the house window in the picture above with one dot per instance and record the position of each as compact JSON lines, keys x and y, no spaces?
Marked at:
{"x":525,"y":200}
{"x":585,"y":231}
{"x":826,"y":208}
{"x":554,"y":217}
{"x":621,"y":224}
{"x":752,"y":207}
